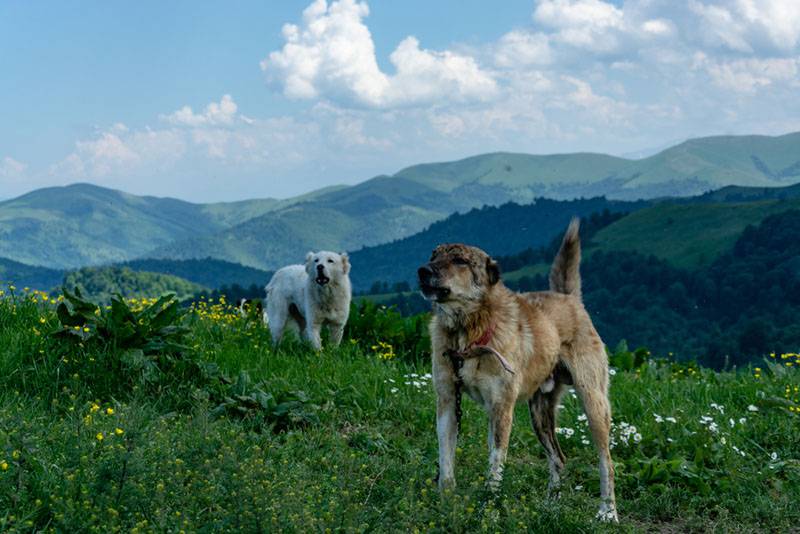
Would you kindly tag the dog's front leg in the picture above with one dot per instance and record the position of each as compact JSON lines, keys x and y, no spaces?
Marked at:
{"x":337,"y":331}
{"x":447,"y":432}
{"x":501,"y":415}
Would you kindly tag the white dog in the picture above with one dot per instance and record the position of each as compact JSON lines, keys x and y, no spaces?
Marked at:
{"x":311,"y":295}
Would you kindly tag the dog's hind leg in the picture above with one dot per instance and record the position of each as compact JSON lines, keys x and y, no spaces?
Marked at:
{"x":544,"y":411}
{"x":591,"y":382}
{"x":277,"y":313}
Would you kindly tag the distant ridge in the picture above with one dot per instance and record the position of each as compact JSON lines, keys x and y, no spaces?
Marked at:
{"x":88,"y":225}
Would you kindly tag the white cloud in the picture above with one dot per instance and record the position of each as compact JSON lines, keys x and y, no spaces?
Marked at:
{"x":12,"y":169}
{"x":747,"y":25}
{"x":581,"y":23}
{"x":333,"y":56}
{"x":216,"y":114}
{"x":520,"y":48}
{"x":119,"y":150}
{"x":749,"y":75}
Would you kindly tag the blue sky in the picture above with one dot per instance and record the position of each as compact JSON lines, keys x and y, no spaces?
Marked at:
{"x":217,"y":101}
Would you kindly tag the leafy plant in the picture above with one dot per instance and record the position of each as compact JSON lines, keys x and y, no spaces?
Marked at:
{"x":284,"y":411}
{"x":626,"y":360}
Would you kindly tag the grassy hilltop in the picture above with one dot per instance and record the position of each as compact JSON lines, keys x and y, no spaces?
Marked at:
{"x":145,"y":418}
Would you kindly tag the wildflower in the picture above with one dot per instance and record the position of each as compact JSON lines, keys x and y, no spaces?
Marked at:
{"x":118,"y":431}
{"x":670,"y":420}
{"x":109,"y":411}
{"x":774,"y":456}
{"x":752,"y":408}
{"x":612,"y":371}
{"x":742,"y":420}
{"x":720,"y":408}
{"x":15,"y":455}
{"x":637,"y":437}
{"x":393,"y":390}
{"x":94,"y":407}
{"x":723,"y":440}
{"x":658,"y":418}
{"x":99,"y":436}
{"x":42,"y":320}
{"x":4,"y":465}
{"x":732,"y":422}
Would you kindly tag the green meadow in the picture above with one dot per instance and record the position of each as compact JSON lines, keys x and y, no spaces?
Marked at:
{"x":146,"y":417}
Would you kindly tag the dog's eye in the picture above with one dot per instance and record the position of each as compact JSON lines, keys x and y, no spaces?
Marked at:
{"x":316,"y":260}
{"x":330,"y":260}
{"x":460,"y":261}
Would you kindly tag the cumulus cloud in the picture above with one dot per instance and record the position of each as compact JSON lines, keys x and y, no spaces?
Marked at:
{"x":581,"y":23}
{"x":519,"y":48}
{"x":119,"y":150}
{"x":747,"y":25}
{"x":215,"y":114}
{"x":333,"y":56}
{"x":12,"y":169}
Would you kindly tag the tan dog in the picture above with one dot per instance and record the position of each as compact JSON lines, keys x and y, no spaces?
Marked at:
{"x":502,"y":347}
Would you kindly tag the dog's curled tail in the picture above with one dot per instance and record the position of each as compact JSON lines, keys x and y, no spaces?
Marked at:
{"x":565,"y":274}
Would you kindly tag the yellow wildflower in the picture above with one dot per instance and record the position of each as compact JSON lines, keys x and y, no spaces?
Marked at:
{"x":99,"y":436}
{"x":118,"y":431}
{"x":4,"y":465}
{"x":109,"y":411}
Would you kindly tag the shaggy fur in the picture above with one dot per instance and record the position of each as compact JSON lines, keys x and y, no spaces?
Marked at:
{"x":311,"y":296}
{"x":547,"y":337}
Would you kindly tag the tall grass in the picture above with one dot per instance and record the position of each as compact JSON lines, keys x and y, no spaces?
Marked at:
{"x":344,"y":440}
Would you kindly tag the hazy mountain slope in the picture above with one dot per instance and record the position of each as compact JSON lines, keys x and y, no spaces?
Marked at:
{"x":84,"y":224}
{"x":376,"y":211}
{"x":80,"y":225}
{"x":751,"y":160}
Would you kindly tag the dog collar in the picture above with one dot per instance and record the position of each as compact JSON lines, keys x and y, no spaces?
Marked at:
{"x":485,"y":338}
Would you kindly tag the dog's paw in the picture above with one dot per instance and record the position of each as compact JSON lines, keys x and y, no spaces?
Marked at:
{"x":607,"y":513}
{"x":446,"y":484}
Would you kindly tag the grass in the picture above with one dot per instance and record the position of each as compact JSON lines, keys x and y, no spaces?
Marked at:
{"x":356,"y":450}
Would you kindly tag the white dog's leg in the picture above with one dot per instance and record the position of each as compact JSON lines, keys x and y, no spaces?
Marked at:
{"x":337,"y":331}
{"x":276,"y":318}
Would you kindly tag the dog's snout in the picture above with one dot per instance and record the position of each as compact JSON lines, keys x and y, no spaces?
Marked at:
{"x":320,"y":268}
{"x":425,"y":273}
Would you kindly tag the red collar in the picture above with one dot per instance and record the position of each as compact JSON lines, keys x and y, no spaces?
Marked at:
{"x":485,"y":338}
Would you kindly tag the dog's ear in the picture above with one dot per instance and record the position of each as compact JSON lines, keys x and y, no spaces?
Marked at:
{"x":309,"y":256}
{"x":345,"y":262}
{"x":492,"y":271}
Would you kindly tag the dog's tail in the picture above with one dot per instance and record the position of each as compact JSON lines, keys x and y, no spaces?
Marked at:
{"x":565,"y":274}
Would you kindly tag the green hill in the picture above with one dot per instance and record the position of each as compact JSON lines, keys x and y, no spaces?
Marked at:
{"x":83,"y":224}
{"x":499,"y":230}
{"x":32,"y":276}
{"x":87,"y":225}
{"x":101,"y":283}
{"x":386,"y":208}
{"x":207,"y":272}
{"x":687,"y":236}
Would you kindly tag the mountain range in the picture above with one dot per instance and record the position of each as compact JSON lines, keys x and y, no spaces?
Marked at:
{"x":79,"y":225}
